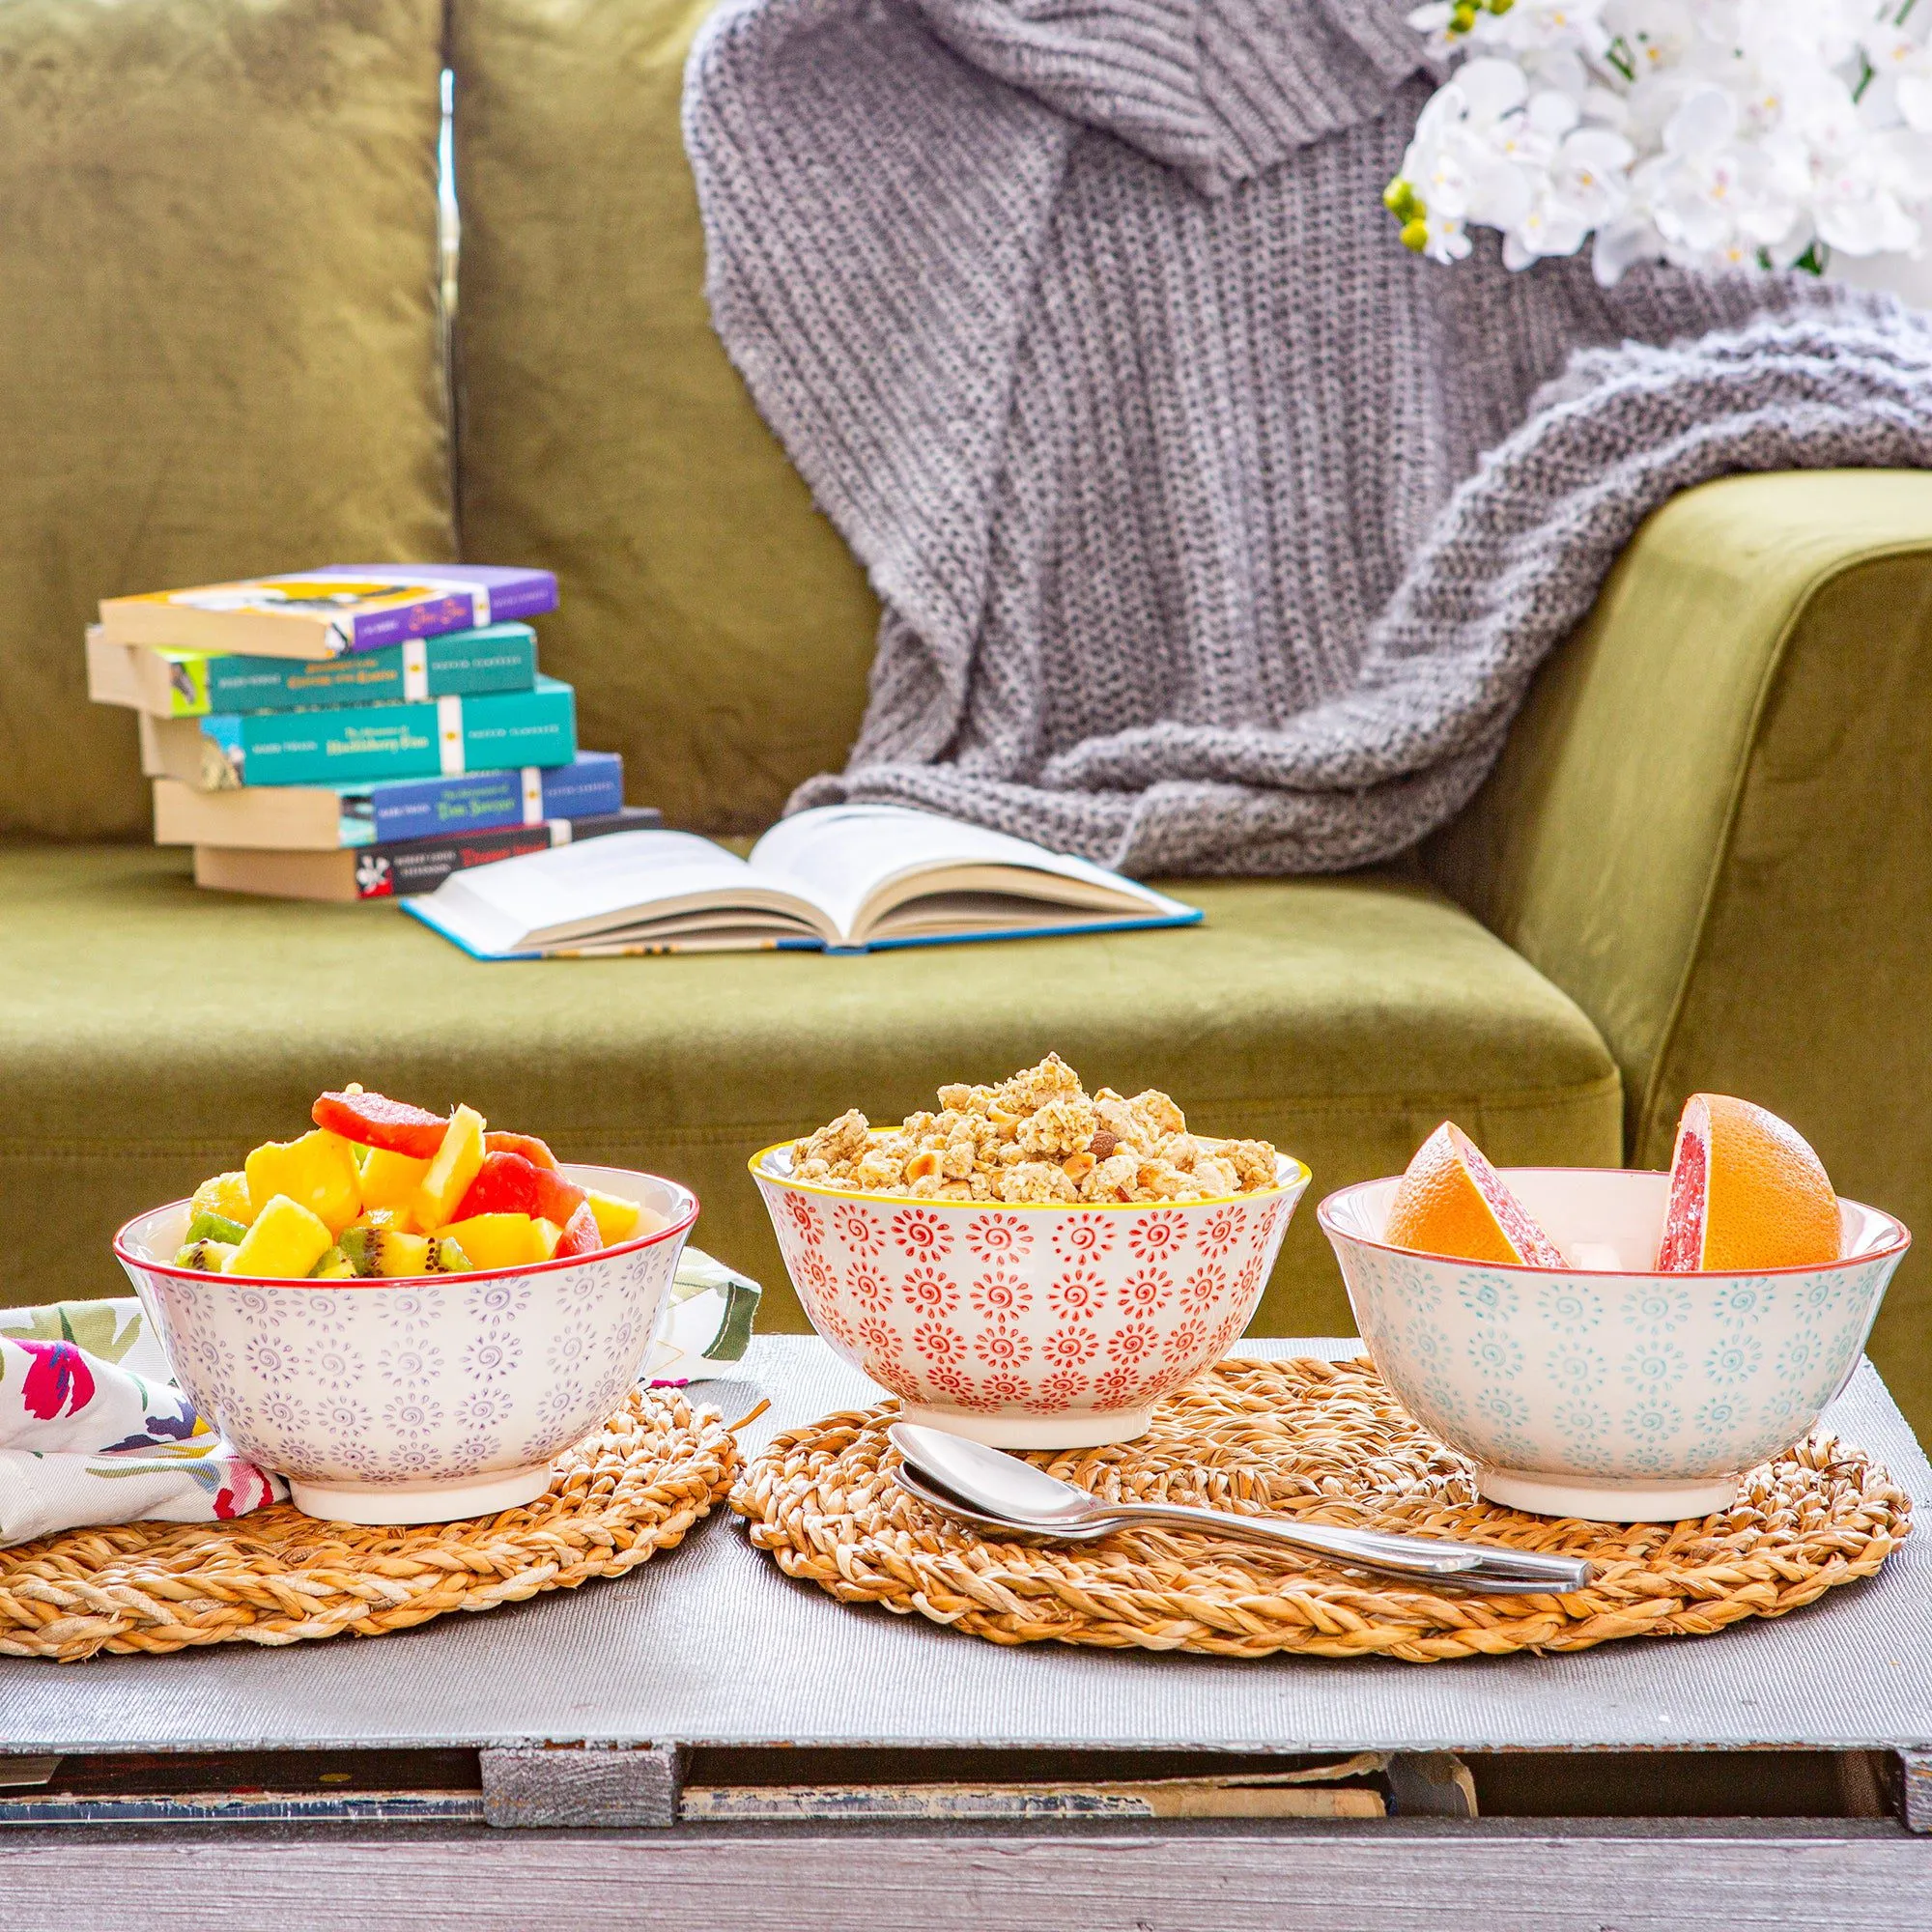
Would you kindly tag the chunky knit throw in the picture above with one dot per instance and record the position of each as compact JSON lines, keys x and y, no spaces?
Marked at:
{"x":1214,"y":531}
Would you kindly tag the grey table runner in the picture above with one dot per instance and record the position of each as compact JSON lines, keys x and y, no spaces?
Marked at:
{"x":711,"y":1645}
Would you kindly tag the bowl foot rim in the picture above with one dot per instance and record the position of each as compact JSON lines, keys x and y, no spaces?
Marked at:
{"x":1597,"y":1499}
{"x":1079,"y":1429}
{"x":403,"y":1503}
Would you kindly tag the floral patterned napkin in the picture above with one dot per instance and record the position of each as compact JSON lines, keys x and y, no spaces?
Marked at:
{"x":94,"y":1431}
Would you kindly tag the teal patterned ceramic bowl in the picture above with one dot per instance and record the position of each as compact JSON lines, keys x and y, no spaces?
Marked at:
{"x":1608,"y":1391}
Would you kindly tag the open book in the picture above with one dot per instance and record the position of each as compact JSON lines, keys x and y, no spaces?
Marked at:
{"x":842,"y":877}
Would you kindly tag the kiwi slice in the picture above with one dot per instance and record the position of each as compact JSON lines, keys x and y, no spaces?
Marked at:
{"x":334,"y":1265}
{"x":209,"y":1226}
{"x":446,"y":1257}
{"x":205,"y":1256}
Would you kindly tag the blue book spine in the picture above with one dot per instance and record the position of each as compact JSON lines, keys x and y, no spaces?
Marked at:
{"x":591,"y":785}
{"x":369,"y":743}
{"x":460,"y":664}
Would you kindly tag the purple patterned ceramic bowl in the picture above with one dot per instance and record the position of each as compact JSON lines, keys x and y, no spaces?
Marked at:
{"x":422,"y":1400}
{"x":1026,"y":1326}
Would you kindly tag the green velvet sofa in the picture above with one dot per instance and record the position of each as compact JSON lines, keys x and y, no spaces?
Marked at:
{"x":1703,"y":860}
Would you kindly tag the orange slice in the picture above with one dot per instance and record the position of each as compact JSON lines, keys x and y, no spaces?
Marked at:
{"x":1452,"y":1202}
{"x":1746,"y":1192}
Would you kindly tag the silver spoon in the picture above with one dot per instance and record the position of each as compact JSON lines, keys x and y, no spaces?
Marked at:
{"x":1005,"y":1493}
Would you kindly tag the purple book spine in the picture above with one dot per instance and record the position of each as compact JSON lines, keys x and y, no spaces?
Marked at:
{"x":511,"y":595}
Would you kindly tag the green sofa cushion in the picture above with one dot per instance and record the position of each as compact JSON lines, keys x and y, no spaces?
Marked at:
{"x":150,"y":1033}
{"x":718,"y":630}
{"x":218,"y":334}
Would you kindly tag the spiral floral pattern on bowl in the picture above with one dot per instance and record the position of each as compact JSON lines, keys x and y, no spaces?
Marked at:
{"x":416,"y":1381}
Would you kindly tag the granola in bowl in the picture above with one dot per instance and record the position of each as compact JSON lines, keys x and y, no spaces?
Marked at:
{"x":1037,"y":1138}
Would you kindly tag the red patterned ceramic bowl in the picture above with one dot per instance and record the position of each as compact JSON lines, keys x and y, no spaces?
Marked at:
{"x":1026,"y":1326}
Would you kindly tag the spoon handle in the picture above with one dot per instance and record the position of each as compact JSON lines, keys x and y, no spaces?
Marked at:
{"x":1365,"y":1548}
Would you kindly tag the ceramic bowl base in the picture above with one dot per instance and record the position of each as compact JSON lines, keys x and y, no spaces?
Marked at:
{"x":1635,"y":1501}
{"x":420,"y":1502}
{"x":1086,"y":1430}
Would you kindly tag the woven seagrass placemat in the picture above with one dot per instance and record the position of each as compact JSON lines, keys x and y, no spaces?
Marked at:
{"x":1325,"y":1440}
{"x":628,"y":1490}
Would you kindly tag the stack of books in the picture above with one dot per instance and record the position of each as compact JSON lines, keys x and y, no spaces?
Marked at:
{"x":357,"y":732}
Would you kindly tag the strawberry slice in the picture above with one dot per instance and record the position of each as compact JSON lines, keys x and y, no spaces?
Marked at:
{"x":506,"y":1184}
{"x":374,"y":1120}
{"x":580,"y":1234}
{"x":537,"y":1153}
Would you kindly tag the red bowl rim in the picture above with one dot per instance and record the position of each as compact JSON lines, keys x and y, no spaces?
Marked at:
{"x":681,"y":1226}
{"x":1901,"y":1238}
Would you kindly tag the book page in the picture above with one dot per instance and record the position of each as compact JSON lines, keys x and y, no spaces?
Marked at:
{"x":620,"y":881}
{"x":860,"y":861}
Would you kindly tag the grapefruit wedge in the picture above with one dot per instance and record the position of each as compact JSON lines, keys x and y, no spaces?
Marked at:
{"x":1746,"y":1192}
{"x":1452,"y":1202}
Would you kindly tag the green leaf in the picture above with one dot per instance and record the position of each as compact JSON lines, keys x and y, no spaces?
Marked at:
{"x":94,"y":1325}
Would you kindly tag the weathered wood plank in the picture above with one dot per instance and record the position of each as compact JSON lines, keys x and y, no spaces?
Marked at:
{"x":1450,"y":1877}
{"x":541,"y":1788}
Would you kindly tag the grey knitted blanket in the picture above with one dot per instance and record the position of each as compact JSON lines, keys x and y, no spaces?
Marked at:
{"x":1214,"y":533}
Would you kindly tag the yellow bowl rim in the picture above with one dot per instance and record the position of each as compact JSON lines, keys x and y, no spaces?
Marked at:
{"x":1297,"y":1185}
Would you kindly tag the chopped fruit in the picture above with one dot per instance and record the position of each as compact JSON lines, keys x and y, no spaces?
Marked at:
{"x":209,"y":1227}
{"x":1452,"y":1202}
{"x":506,"y":1184}
{"x":376,"y":1121}
{"x":1746,"y":1192}
{"x":537,"y":1153}
{"x":318,"y":1170}
{"x":497,"y":1240}
{"x":381,"y":1189}
{"x":557,"y":1199}
{"x":224,"y":1194}
{"x":284,"y":1241}
{"x":384,"y":1251}
{"x":390,"y":1179}
{"x":205,"y":1256}
{"x":616,"y":1218}
{"x":458,"y":1162}
{"x":580,"y":1234}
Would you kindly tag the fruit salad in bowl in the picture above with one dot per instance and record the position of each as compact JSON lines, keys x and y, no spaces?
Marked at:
{"x":407,"y":1314}
{"x":1611,"y":1344}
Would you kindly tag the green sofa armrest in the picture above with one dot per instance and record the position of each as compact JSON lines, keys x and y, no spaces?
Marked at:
{"x":1712,"y":827}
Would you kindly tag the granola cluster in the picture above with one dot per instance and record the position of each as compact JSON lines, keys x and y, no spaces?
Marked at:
{"x":1039,"y":1136}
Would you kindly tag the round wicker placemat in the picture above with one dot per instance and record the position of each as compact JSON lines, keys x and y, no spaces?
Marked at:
{"x":629,"y":1490}
{"x":1325,"y":1440}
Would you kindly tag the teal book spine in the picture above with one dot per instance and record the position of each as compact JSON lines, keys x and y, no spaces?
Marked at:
{"x":366,"y":744}
{"x":458,"y":664}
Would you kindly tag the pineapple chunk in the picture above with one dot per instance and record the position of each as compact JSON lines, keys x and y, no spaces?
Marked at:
{"x":318,"y":1170}
{"x":205,"y":1256}
{"x":390,"y":1179}
{"x":458,"y":1162}
{"x":283,"y":1243}
{"x":549,"y":1234}
{"x":223,"y":1194}
{"x":386,"y":1251}
{"x":497,"y":1241}
{"x":617,"y":1219}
